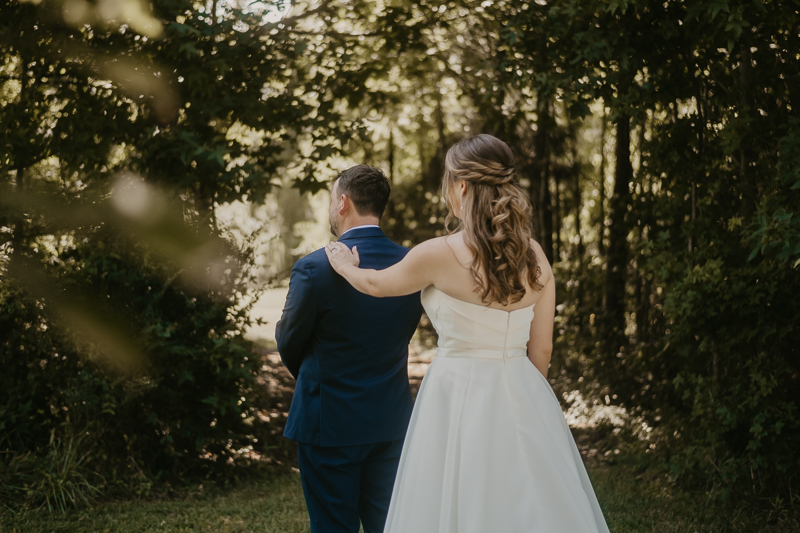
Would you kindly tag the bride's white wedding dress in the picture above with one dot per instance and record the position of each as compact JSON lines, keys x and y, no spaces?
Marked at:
{"x":488,"y":449}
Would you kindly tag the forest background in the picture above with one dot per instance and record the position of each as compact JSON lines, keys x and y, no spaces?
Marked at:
{"x":162,"y":161}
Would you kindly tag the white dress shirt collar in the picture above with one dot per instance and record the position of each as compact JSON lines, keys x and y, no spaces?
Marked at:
{"x":360,"y":227}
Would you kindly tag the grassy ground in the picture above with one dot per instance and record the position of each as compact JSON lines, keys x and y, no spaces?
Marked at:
{"x":633,"y":501}
{"x":270,"y":506}
{"x":631,"y":505}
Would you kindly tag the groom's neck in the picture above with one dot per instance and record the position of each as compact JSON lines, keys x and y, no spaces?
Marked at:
{"x":354,"y":222}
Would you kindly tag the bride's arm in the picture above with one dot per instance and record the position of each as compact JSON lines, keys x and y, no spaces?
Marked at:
{"x":540,"y":343}
{"x":416,"y":271}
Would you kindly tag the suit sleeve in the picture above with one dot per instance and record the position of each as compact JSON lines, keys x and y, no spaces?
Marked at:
{"x":293,"y":330}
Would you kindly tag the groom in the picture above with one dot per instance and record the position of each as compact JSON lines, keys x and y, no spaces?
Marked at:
{"x":348,"y":352}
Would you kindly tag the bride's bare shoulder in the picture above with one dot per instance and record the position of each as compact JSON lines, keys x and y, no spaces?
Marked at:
{"x":542,"y":262}
{"x":443,"y":243}
{"x":446,"y":248}
{"x":435,"y":246}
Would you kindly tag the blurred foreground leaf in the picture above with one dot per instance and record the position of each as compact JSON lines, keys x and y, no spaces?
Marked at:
{"x":133,"y":210}
{"x":100,"y":334}
{"x":143,"y":213}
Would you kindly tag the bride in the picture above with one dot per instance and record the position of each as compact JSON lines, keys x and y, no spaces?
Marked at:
{"x":487,"y":448}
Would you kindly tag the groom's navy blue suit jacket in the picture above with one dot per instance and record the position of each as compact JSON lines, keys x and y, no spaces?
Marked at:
{"x":348,"y":351}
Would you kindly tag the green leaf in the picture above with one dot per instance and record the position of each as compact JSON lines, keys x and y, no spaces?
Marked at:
{"x":189,"y":49}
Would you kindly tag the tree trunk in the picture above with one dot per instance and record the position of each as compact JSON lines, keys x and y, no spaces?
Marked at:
{"x":389,"y":213}
{"x":423,"y":126}
{"x":544,"y":205}
{"x":748,"y":188}
{"x":432,"y":169}
{"x":576,"y":171}
{"x":391,"y":156}
{"x":440,"y":125}
{"x":642,"y":298}
{"x":369,"y":152}
{"x":700,"y":169}
{"x":556,"y":216}
{"x":21,"y":159}
{"x":601,"y":237}
{"x":617,"y":262}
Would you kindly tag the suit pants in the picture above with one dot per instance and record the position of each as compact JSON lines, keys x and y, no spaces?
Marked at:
{"x":345,"y":485}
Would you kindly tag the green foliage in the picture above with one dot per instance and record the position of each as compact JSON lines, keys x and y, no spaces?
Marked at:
{"x":208,"y":107}
{"x":121,"y":312}
{"x":709,"y":360}
{"x":775,"y":230}
{"x":695,"y":215}
{"x":183,"y":413}
{"x":677,"y":253}
{"x":732,"y":364}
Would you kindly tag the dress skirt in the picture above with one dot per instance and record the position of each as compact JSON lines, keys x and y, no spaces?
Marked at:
{"x":488,"y":450}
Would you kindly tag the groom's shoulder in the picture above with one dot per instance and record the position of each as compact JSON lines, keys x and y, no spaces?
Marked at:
{"x":393,"y":251}
{"x":394,"y":245}
{"x":314,"y":260}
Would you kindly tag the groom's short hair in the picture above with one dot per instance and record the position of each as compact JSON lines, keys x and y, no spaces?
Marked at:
{"x":367,"y":187}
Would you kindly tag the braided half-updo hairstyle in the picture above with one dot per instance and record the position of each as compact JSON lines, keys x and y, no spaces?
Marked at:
{"x":495,"y":217}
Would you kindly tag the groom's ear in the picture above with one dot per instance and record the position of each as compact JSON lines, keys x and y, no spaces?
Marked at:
{"x":345,"y":204}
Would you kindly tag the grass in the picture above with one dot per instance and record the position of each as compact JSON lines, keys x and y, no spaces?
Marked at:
{"x":273,"y":505}
{"x":632,"y":503}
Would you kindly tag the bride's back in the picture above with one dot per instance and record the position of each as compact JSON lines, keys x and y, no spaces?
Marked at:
{"x":491,"y":260}
{"x":460,"y":284}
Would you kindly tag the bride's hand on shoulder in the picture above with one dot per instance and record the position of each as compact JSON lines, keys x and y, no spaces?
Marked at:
{"x":414,"y":272}
{"x":341,"y":257}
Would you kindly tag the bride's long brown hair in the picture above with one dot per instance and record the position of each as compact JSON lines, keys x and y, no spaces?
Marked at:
{"x":495,"y":218}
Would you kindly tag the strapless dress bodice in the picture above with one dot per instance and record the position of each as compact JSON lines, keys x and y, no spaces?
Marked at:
{"x":466,"y":329}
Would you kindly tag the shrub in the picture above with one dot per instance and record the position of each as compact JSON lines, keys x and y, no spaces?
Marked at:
{"x":182,"y":413}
